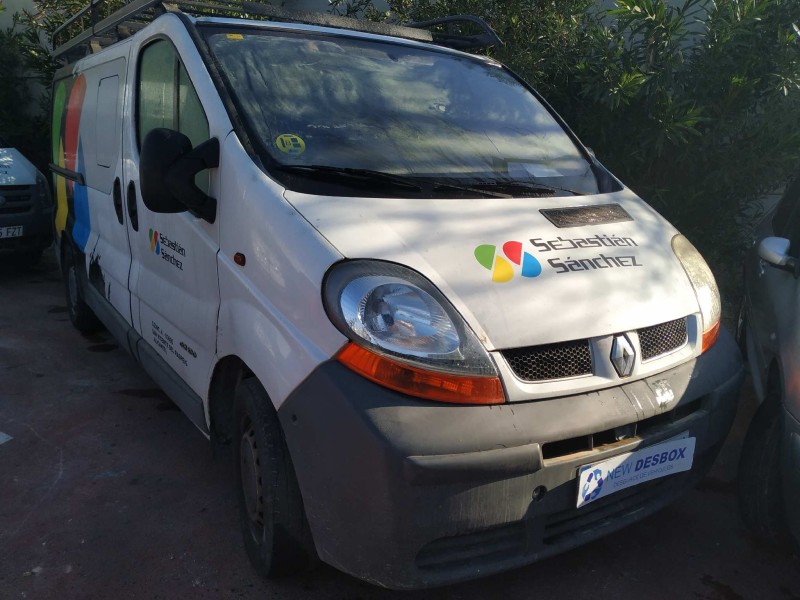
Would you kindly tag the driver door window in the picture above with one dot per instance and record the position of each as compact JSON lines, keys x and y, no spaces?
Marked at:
{"x":167,"y":98}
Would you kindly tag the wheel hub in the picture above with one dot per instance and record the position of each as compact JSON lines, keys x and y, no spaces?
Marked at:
{"x":251,"y":478}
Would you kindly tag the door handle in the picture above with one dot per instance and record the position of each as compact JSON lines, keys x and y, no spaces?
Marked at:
{"x":133,"y":211}
{"x":118,"y":200}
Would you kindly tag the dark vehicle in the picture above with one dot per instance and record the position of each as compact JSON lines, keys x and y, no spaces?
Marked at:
{"x":26,"y":208}
{"x":769,"y":333}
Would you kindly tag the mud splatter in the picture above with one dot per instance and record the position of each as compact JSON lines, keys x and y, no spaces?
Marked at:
{"x":96,"y":277}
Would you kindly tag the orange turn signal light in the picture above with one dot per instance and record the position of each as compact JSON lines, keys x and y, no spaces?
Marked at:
{"x":709,"y":337}
{"x":429,"y":385}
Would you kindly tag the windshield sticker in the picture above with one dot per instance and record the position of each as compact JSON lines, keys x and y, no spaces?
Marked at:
{"x":234,"y":36}
{"x":290,"y":144}
{"x":502,"y":267}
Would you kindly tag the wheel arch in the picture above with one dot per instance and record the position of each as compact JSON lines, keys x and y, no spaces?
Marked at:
{"x":773,"y":388}
{"x":228,"y":373}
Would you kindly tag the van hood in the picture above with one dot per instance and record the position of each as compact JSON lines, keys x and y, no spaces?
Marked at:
{"x":15,"y":169}
{"x":516,"y":278}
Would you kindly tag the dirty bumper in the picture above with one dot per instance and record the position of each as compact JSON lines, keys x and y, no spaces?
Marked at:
{"x":409,"y":494}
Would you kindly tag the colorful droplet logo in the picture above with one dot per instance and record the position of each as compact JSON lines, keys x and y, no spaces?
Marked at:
{"x":155,"y":245}
{"x":502,"y":267}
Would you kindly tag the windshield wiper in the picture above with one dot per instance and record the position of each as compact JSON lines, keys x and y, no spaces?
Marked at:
{"x":535,"y":187}
{"x":418,"y":184}
{"x":492,"y":188}
{"x":367,"y":175}
{"x":445,"y":185}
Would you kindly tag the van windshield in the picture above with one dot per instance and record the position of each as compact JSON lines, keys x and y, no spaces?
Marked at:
{"x":352,"y":106}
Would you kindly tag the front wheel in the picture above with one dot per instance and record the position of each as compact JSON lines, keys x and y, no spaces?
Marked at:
{"x":274,"y":526}
{"x":759,"y":485}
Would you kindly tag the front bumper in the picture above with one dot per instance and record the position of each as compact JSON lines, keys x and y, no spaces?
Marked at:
{"x":36,"y":221}
{"x":410,"y":494}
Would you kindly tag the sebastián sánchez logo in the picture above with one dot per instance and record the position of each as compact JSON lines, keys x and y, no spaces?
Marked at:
{"x":155,"y":245}
{"x":502,"y":266}
{"x":169,"y":250}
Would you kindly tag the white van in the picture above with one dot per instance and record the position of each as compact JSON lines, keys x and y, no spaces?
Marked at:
{"x":441,"y":339}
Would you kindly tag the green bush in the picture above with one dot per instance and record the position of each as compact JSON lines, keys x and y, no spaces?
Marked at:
{"x":20,"y":122}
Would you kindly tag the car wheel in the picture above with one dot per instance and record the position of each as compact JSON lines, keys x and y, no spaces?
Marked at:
{"x":82,"y":317}
{"x":276,"y":534}
{"x":759,"y":480}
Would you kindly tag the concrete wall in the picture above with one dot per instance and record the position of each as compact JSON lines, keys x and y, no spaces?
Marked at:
{"x":12,"y":6}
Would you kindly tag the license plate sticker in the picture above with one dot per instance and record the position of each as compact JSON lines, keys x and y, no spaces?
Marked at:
{"x":9,"y":232}
{"x":601,"y":479}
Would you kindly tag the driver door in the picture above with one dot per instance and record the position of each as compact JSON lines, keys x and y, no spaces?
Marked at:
{"x":173,"y":279}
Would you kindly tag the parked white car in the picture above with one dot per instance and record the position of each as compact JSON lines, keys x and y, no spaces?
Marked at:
{"x":441,"y":338}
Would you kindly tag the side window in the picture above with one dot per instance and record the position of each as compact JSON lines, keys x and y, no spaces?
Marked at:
{"x":167,"y":98}
{"x":108,"y":133}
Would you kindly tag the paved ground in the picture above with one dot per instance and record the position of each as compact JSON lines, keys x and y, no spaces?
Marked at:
{"x":107,"y":491}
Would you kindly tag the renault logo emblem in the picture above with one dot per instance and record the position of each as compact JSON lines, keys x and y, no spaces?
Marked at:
{"x":623,"y":355}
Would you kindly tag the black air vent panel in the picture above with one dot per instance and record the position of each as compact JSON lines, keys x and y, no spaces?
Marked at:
{"x":579,"y":216}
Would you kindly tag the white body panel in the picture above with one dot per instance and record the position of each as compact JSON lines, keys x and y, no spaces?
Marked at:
{"x":174,"y":284}
{"x":108,"y":247}
{"x":271,"y":314}
{"x":438,"y":238}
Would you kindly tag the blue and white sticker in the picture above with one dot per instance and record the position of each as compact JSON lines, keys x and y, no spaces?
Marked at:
{"x":632,"y":468}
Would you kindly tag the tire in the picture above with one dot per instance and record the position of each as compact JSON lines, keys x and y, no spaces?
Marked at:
{"x":759,"y":487}
{"x":274,"y":526}
{"x":82,"y":317}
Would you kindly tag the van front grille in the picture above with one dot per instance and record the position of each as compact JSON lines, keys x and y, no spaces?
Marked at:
{"x":662,"y":339}
{"x":15,"y":199}
{"x":551,"y":361}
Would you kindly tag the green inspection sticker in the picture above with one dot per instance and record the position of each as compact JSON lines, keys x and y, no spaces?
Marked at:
{"x":290,"y":144}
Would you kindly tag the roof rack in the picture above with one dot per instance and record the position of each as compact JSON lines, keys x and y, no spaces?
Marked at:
{"x":96,"y":26}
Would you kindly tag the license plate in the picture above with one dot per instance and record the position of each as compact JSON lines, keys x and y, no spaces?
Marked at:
{"x":603,"y":478}
{"x":9,"y":232}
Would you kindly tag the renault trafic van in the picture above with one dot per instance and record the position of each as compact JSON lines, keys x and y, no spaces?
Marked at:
{"x":441,"y":339}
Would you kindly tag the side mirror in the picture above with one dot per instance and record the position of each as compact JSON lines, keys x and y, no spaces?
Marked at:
{"x":167,"y":167}
{"x":775,"y":251}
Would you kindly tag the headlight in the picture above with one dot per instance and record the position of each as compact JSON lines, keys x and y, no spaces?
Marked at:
{"x":705,"y":287}
{"x":406,"y":335}
{"x":42,"y":192}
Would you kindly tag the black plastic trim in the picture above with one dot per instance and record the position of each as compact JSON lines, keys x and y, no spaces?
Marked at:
{"x":71,"y":175}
